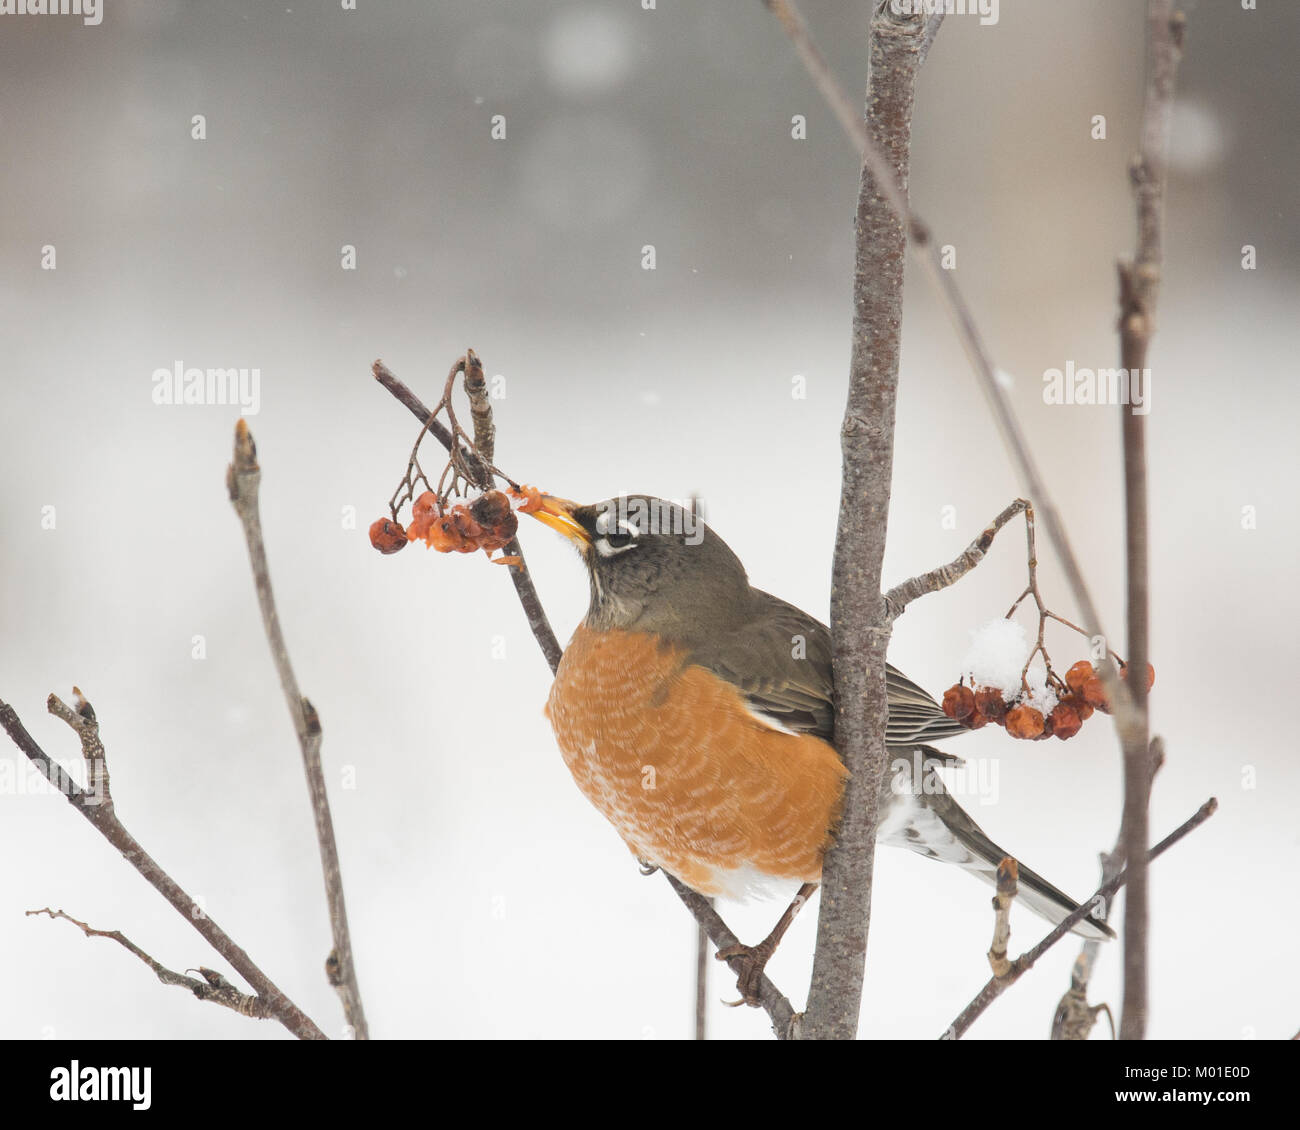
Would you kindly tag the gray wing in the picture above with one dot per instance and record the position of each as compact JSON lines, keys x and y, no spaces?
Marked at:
{"x":780,"y":658}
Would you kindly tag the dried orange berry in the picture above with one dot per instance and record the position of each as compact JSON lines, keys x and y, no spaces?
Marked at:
{"x":493,"y":539}
{"x":958,"y":702}
{"x":532,"y":498}
{"x":1079,"y":705}
{"x":1151,"y":675}
{"x":1024,"y":722}
{"x":387,"y":536}
{"x":423,"y":512}
{"x":976,"y":721}
{"x":989,"y":702}
{"x":491,"y":508}
{"x":444,"y":537}
{"x":426,"y":506}
{"x":467,"y":527}
{"x":1094,"y":694}
{"x":1079,"y":674}
{"x":1065,"y":721}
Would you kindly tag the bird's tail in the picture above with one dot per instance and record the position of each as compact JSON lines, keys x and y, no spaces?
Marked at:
{"x":922,"y":815}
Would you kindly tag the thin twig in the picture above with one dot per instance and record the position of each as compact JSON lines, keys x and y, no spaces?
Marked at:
{"x":900,"y":596}
{"x":214,"y":987}
{"x":538,"y":623}
{"x":1100,"y":899}
{"x":701,"y":983}
{"x":480,"y":407}
{"x":243,"y":478}
{"x":932,"y":24}
{"x":944,"y":284}
{"x":1074,"y":1017}
{"x":1139,"y":287}
{"x":860,"y":621}
{"x":1007,"y":889}
{"x":778,"y":1009}
{"x":101,"y":813}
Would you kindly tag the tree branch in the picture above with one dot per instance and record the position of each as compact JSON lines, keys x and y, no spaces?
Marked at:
{"x":900,"y":596}
{"x":1074,"y":1017}
{"x":991,"y":380}
{"x":1139,"y":286}
{"x":1007,"y":889}
{"x":243,"y":478}
{"x":1101,"y":897}
{"x":860,"y":622}
{"x":538,"y":623}
{"x":214,"y":987}
{"x":777,"y":1007}
{"x":96,"y":805}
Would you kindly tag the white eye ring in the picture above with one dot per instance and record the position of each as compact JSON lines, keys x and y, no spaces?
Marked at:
{"x":606,"y":548}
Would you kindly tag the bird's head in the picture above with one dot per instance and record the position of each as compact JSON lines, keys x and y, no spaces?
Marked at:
{"x":654,"y":565}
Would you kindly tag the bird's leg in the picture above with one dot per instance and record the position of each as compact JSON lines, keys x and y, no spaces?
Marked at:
{"x":754,"y":958}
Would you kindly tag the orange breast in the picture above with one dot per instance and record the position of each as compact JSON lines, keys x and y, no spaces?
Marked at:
{"x":690,"y":778}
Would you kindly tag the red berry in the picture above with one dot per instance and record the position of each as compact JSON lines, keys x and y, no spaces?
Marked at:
{"x":426,"y":506}
{"x":1079,"y":674}
{"x":1065,"y":721}
{"x":1151,"y":675}
{"x":387,"y":536}
{"x":1079,"y":705}
{"x":423,"y":512}
{"x":1024,"y":722}
{"x":444,"y":537}
{"x":958,"y":702}
{"x":989,"y":702}
{"x":491,"y":508}
{"x":531,"y":496}
{"x":1094,"y":694}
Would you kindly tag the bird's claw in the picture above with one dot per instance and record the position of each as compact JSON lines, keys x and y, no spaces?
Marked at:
{"x":646,"y":867}
{"x":749,"y":975}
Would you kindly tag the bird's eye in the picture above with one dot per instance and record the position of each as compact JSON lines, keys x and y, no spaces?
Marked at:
{"x":616,"y":541}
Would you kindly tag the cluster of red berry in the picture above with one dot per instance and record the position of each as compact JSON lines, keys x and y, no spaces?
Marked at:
{"x":976,"y":708}
{"x":488,"y":523}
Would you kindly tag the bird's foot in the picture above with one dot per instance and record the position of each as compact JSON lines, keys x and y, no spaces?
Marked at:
{"x":747,"y":963}
{"x":646,"y":867}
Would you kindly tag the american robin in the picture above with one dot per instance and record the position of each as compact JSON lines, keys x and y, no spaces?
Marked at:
{"x":695,"y":712}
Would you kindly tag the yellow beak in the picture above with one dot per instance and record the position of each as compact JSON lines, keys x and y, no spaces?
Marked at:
{"x":558,"y":514}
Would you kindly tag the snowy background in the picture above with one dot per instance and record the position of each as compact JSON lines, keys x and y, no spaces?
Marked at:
{"x":487,"y":898}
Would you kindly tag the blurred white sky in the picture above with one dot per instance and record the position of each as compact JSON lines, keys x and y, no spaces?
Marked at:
{"x":487,"y":898}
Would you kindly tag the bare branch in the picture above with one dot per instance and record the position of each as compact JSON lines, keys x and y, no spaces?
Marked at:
{"x":778,"y":1009}
{"x":1100,"y":898}
{"x":992,"y":381}
{"x":933,"y":22}
{"x":1139,"y":286}
{"x":701,"y":982}
{"x":1008,"y":877}
{"x":538,"y":623}
{"x":1074,"y":1017}
{"x":214,"y":987}
{"x":900,"y":596}
{"x":243,"y":478}
{"x":100,"y":811}
{"x":480,"y":407}
{"x":860,"y":621}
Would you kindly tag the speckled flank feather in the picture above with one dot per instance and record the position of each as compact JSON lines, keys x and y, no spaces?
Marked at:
{"x":689,"y":777}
